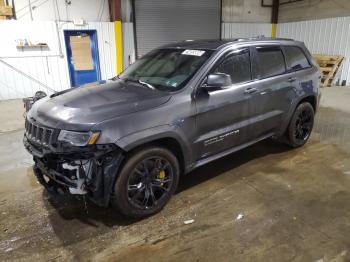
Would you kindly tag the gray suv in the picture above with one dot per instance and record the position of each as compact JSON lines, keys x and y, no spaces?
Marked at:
{"x":126,"y":141}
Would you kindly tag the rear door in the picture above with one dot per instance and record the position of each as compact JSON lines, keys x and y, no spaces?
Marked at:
{"x":275,"y":90}
{"x":223,"y":116}
{"x":298,"y":66}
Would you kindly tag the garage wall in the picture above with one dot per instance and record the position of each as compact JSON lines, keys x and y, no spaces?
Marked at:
{"x":128,"y":44}
{"x":49,"y":10}
{"x":313,"y":9}
{"x":240,"y":30}
{"x":245,"y":11}
{"x":45,"y":70}
{"x":324,"y":36}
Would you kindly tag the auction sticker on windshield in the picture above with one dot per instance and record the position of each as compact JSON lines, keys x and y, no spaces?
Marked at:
{"x":193,"y":52}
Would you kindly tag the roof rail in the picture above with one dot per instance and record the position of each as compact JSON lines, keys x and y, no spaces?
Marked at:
{"x":262,"y":37}
{"x":272,"y":38}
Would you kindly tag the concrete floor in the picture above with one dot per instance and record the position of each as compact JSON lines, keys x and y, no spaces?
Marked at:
{"x":265,"y":203}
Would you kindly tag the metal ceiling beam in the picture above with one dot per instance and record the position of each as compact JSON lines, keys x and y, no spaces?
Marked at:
{"x":281,"y":3}
{"x":114,"y":10}
{"x":290,"y":2}
{"x":274,"y":13}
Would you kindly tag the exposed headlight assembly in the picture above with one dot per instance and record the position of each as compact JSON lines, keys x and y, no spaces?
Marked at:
{"x":78,"y":138}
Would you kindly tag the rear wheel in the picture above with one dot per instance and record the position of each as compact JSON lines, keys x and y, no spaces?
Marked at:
{"x":301,"y":124}
{"x":146,"y":182}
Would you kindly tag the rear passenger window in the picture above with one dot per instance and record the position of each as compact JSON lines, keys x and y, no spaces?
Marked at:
{"x":236,"y":65}
{"x":271,"y":61}
{"x":295,"y":58}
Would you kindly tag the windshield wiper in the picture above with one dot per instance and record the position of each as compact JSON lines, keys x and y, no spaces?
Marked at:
{"x":146,"y":84}
{"x":139,"y":82}
{"x":114,"y":78}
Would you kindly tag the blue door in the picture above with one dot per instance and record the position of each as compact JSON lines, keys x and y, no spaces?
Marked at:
{"x":82,"y":56}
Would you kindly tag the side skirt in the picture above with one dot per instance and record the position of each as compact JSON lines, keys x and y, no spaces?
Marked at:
{"x":204,"y":161}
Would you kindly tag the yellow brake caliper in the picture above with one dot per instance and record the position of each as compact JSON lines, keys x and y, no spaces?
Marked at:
{"x":161,"y":176}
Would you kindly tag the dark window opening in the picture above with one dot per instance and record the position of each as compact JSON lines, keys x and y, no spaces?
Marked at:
{"x":271,"y":61}
{"x":296,"y":59}
{"x":237,"y":65}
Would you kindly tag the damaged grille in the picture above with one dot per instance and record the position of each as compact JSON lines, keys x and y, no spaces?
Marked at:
{"x":37,"y":133}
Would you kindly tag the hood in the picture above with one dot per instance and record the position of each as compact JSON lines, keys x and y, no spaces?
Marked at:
{"x":81,"y":108}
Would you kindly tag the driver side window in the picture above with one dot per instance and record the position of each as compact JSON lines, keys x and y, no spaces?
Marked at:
{"x":236,"y":65}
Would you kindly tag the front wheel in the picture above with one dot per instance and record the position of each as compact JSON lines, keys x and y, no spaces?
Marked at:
{"x":146,"y":182}
{"x":301,"y":124}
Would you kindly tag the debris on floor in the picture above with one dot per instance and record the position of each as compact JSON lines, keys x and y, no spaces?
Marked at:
{"x":189,"y":221}
{"x":347,"y":173}
{"x":239,"y":217}
{"x":342,"y":257}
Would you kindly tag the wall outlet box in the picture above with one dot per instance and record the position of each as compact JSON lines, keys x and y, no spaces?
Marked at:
{"x":79,"y":22}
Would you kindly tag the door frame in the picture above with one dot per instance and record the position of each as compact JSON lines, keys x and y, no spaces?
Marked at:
{"x":94,"y":48}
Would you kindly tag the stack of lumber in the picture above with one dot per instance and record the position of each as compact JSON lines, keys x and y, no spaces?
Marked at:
{"x":329,"y":66}
{"x":5,"y":10}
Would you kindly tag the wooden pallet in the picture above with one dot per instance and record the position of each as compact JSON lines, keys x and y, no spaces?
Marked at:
{"x":329,"y":66}
{"x":5,"y":11}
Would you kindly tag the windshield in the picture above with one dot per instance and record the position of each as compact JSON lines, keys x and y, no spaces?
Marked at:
{"x":166,"y":69}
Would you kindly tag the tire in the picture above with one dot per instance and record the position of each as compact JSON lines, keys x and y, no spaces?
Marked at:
{"x":300,"y":126}
{"x":146,"y":182}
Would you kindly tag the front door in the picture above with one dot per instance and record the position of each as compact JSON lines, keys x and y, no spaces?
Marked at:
{"x":223,"y":116}
{"x":82,"y":56}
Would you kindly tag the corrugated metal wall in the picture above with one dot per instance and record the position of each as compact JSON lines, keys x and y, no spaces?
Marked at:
{"x":238,"y":30}
{"x":46,"y":66}
{"x":323,"y":36}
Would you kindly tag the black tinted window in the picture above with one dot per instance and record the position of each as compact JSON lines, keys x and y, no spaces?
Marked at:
{"x":237,"y":65}
{"x":295,"y":58}
{"x":271,"y":61}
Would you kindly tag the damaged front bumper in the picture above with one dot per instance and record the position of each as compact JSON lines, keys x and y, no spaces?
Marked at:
{"x":89,"y":170}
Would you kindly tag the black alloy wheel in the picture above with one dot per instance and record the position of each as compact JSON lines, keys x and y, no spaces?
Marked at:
{"x":301,"y":125}
{"x":146,"y":182}
{"x":150,"y":181}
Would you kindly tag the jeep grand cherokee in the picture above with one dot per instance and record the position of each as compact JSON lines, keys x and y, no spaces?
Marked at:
{"x":126,"y":142}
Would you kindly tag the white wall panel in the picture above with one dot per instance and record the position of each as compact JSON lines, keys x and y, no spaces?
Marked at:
{"x":240,"y":30}
{"x":323,"y":36}
{"x":128,"y":44}
{"x":46,"y":66}
{"x":50,"y":10}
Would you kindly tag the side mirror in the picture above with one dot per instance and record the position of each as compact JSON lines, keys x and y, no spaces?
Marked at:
{"x":217,"y":81}
{"x":38,"y":95}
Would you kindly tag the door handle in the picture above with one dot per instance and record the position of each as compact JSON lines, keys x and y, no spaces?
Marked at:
{"x":292,"y":79}
{"x":250,"y":90}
